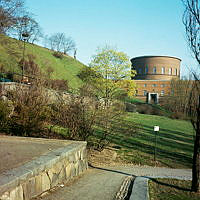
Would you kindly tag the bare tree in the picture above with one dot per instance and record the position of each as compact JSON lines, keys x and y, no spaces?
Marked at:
{"x":60,"y":43}
{"x":68,"y":45}
{"x":26,"y":24}
{"x":191,"y":21}
{"x":9,"y":11}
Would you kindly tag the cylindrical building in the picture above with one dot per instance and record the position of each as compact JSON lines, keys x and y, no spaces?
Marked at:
{"x":156,"y":67}
{"x":154,"y":75}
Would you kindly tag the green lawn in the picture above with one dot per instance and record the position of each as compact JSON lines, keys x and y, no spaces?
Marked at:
{"x":174,"y":142}
{"x":171,"y":189}
{"x":66,"y":68}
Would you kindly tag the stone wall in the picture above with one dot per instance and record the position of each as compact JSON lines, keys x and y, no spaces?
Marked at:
{"x":43,"y":173}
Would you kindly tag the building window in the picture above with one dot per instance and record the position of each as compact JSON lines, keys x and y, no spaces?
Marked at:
{"x":145,"y":85}
{"x":162,"y":85}
{"x":139,"y":71}
{"x":146,"y":69}
{"x":154,"y":85}
{"x":163,"y":70}
{"x":154,"y":70}
{"x":145,"y":93}
{"x":162,"y":93}
{"x":170,"y":71}
{"x":176,"y":72}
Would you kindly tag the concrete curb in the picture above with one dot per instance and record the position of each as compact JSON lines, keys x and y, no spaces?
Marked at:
{"x":43,"y":173}
{"x":140,"y":190}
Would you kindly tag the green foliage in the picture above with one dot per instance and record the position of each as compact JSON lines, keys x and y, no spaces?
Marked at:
{"x":111,"y":64}
{"x":114,"y":69}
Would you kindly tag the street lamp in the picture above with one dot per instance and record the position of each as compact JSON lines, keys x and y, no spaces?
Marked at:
{"x":156,"y":130}
{"x":24,"y":37}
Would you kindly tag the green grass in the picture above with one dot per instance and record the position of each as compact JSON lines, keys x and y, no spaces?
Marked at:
{"x":174,"y":142}
{"x":171,"y":189}
{"x":66,"y":68}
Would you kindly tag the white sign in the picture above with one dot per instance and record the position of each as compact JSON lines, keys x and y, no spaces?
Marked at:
{"x":156,"y":128}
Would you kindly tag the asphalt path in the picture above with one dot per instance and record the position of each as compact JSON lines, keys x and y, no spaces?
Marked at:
{"x":103,"y":183}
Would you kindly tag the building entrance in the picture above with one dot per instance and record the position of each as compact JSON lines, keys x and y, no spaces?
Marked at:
{"x":152,"y":98}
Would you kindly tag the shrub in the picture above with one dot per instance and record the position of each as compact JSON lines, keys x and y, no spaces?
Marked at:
{"x":76,"y":116}
{"x":5,"y":111}
{"x":31,"y":110}
{"x":58,"y":54}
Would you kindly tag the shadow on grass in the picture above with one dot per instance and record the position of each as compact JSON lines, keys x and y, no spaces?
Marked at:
{"x":171,"y":134}
{"x":173,"y":147}
{"x":168,"y":146}
{"x":170,"y":185}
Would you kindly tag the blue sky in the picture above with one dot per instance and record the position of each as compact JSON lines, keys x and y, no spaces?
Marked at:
{"x":136,"y":27}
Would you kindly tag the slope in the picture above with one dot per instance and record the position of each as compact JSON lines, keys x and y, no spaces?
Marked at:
{"x":11,"y":52}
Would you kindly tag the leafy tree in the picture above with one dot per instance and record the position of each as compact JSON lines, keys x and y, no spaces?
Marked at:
{"x":108,"y":76}
{"x":114,"y":70}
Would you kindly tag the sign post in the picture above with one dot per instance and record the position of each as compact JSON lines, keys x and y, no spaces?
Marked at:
{"x":156,"y":129}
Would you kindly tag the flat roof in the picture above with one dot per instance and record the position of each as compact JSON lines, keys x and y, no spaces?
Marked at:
{"x":155,"y":56}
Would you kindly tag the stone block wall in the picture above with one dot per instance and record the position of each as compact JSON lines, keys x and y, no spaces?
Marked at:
{"x":45,"y":172}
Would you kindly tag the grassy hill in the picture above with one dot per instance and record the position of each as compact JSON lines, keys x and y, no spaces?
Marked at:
{"x":67,"y":68}
{"x":174,"y":142}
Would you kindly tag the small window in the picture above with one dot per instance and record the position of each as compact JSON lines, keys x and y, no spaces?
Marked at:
{"x":145,"y":85}
{"x":145,"y":93}
{"x":154,"y":85}
{"x":162,"y":93}
{"x":146,"y":69}
{"x":170,"y":71}
{"x":139,"y":71}
{"x":154,"y":70}
{"x":176,"y":72}
{"x":162,"y":85}
{"x":163,"y":70}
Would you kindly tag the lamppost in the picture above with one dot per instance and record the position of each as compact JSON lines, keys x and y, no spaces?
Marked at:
{"x":24,"y":37}
{"x":156,"y":130}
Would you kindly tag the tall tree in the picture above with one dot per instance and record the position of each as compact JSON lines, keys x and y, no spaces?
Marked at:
{"x":191,"y":21}
{"x":9,"y":12}
{"x":113,"y":68}
{"x":26,"y":24}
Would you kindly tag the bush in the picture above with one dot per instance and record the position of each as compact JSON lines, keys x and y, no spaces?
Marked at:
{"x":58,"y":54}
{"x":76,"y":116}
{"x":31,"y":110}
{"x":5,"y":111}
{"x":61,"y":85}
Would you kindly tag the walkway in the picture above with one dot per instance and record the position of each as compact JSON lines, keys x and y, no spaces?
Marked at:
{"x":103,"y":183}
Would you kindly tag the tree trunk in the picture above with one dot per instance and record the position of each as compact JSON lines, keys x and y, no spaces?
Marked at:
{"x":196,"y":164}
{"x":196,"y":153}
